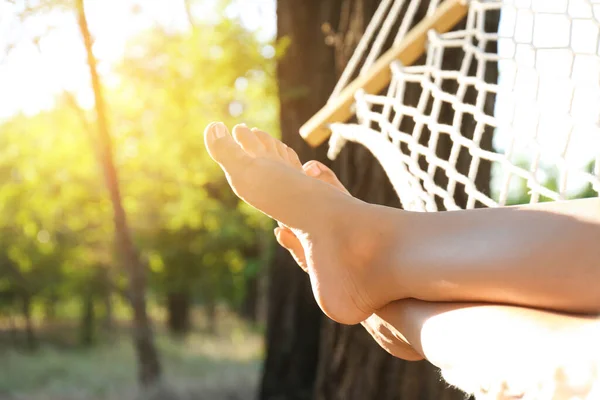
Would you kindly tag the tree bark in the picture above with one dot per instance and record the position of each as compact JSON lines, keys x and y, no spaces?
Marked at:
{"x":148,"y":362}
{"x":306,"y":75}
{"x":350,"y":364}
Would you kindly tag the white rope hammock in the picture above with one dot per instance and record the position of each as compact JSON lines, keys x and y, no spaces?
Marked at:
{"x":547,"y":104}
{"x":427,"y":122}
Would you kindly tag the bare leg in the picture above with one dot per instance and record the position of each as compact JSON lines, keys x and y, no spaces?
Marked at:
{"x":544,"y":256}
{"x":494,"y":351}
{"x":503,"y":351}
{"x":385,"y":334}
{"x":361,"y":256}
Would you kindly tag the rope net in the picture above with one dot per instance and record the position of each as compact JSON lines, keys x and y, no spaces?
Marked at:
{"x":503,"y":110}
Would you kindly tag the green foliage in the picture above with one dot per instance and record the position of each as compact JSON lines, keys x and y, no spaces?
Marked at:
{"x":186,"y":216}
{"x":55,"y":216}
{"x":521,"y":193}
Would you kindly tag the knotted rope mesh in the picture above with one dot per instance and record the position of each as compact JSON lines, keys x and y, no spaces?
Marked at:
{"x":512,"y":97}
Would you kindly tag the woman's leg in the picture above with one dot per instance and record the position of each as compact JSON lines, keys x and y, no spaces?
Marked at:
{"x":361,"y":257}
{"x":495,"y":349}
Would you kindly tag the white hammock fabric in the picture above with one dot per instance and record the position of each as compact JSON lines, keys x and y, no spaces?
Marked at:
{"x":546,"y":139}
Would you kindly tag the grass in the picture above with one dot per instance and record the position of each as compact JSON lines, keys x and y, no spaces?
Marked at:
{"x":211,"y":367}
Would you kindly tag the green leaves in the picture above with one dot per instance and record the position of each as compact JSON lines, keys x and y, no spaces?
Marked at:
{"x":55,"y":217}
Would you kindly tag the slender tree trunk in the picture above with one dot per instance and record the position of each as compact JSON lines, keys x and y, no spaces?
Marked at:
{"x":50,"y":309}
{"x":187,"y":4}
{"x":88,"y":320}
{"x":13,"y":329}
{"x":260,"y":253}
{"x":148,"y":361}
{"x":211,"y":316}
{"x":108,"y":322}
{"x":107,"y":299}
{"x":178,"y":308}
{"x":249,"y":307}
{"x":31,"y":342}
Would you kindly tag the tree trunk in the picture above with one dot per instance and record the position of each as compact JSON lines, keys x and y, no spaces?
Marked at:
{"x":306,"y":77}
{"x":13,"y":329}
{"x":50,"y":309}
{"x":148,"y":362}
{"x":249,"y":306}
{"x":106,"y":288}
{"x":31,"y":342}
{"x":178,"y":309}
{"x":108,"y":322}
{"x":88,"y":320}
{"x":350,"y":364}
{"x":211,"y":316}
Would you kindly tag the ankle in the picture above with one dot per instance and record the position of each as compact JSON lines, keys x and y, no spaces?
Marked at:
{"x":377,"y":250}
{"x":399,"y":281}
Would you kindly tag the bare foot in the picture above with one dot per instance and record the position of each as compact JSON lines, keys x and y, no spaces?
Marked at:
{"x":285,"y":237}
{"x":342,"y":237}
{"x":385,"y":334}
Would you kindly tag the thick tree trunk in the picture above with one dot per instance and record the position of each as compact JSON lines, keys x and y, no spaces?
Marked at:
{"x":306,"y":78}
{"x":350,"y":364}
{"x":148,"y":361}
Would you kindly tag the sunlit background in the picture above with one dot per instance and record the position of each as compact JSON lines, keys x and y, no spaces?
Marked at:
{"x":44,"y":55}
{"x":168,"y":68}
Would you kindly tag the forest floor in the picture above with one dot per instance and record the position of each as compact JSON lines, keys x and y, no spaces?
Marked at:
{"x":222,"y":366}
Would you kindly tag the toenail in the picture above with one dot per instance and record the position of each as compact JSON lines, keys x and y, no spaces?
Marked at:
{"x":313,"y":170}
{"x":219,"y":129}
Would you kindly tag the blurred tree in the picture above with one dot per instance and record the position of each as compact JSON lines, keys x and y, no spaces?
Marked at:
{"x":149,"y":368}
{"x":46,"y":240}
{"x":199,"y":242}
{"x":196,"y":232}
